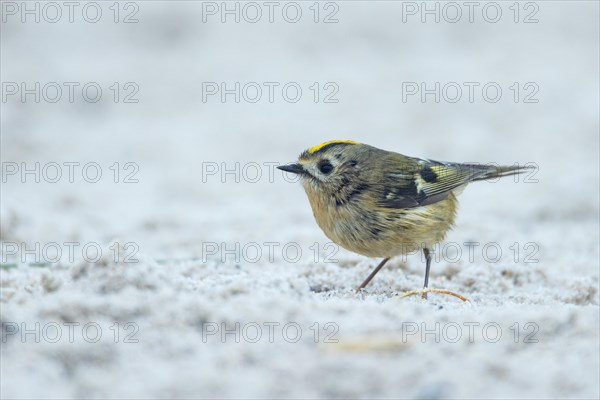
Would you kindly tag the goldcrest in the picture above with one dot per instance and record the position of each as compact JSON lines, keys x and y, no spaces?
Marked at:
{"x":380,"y":203}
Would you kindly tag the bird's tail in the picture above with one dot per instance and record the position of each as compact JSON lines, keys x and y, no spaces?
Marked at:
{"x":484,"y":172}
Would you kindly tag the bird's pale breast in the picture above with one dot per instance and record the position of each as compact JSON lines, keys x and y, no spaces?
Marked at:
{"x":384,"y":232}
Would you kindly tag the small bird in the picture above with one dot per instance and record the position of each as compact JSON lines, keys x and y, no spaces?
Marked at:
{"x":379,"y":203}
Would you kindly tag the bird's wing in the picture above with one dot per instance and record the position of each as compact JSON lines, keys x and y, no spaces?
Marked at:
{"x":426,"y":182}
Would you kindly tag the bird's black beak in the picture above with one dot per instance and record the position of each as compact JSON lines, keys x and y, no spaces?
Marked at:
{"x":293,"y":168}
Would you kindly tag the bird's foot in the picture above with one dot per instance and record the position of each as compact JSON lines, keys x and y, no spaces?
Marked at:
{"x":424,"y":292}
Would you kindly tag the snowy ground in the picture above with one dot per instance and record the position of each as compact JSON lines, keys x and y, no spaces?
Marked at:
{"x":220,"y":284}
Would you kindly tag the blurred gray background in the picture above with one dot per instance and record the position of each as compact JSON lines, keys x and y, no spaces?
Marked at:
{"x":369,"y":54}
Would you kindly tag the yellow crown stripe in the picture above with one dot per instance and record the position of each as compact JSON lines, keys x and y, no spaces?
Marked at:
{"x":320,"y":146}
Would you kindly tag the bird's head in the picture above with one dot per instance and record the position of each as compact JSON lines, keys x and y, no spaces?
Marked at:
{"x":329,"y":166}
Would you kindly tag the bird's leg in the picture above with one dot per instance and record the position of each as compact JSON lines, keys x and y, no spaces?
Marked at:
{"x":427,"y":266}
{"x":375,"y":271}
{"x":425,"y":289}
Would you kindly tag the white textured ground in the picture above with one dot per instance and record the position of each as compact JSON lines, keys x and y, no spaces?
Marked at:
{"x":185,"y":323}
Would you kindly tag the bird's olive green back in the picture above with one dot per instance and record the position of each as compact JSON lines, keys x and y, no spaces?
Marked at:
{"x":396,"y":181}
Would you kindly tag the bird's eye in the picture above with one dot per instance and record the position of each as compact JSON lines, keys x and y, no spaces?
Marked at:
{"x":325,"y":167}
